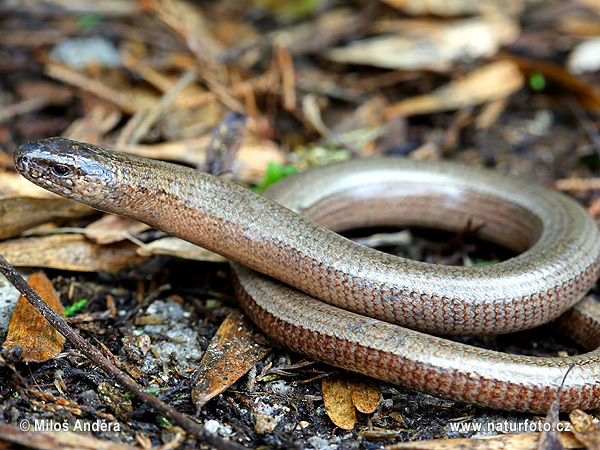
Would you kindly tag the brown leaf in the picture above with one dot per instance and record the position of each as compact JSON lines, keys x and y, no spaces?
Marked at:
{"x":14,"y":185}
{"x":188,"y":20}
{"x":29,"y":329}
{"x":588,"y":94}
{"x":342,"y":395}
{"x":337,"y":397}
{"x":250,"y":165}
{"x":18,"y":214}
{"x":115,"y":399}
{"x":550,"y":437}
{"x":365,"y":396}
{"x":232,"y":352}
{"x":69,"y":252}
{"x":328,"y":27}
{"x":97,"y":121}
{"x":491,"y":82}
{"x":401,"y":45}
{"x":182,"y":249}
{"x":457,"y":7}
{"x":110,"y":229}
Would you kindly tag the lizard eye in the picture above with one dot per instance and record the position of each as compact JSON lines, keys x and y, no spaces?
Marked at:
{"x":60,"y":170}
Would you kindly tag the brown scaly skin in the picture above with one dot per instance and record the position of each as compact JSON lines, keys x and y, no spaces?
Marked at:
{"x":559,"y":262}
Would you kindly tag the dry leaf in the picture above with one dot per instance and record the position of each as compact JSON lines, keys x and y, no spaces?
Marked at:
{"x":490,"y":114}
{"x":14,"y":185}
{"x":327,"y":28}
{"x":588,"y":94}
{"x":29,"y":329}
{"x":594,"y":5}
{"x":115,"y":399}
{"x":69,"y":252}
{"x":337,"y":397}
{"x":18,"y":214}
{"x":188,"y":20}
{"x":586,"y":429}
{"x":457,"y":7}
{"x":429,"y":45}
{"x":97,"y":122}
{"x":365,"y":396}
{"x":232,"y":352}
{"x":123,"y":98}
{"x":110,"y":229}
{"x":550,"y":438}
{"x":580,"y":25}
{"x":52,"y":93}
{"x":173,"y":246}
{"x":578,"y":184}
{"x":249,"y":166}
{"x":343,"y":395}
{"x":489,"y":83}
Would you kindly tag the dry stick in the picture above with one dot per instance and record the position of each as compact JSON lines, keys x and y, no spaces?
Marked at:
{"x":588,"y":126}
{"x":120,"y":377}
{"x":159,"y":107}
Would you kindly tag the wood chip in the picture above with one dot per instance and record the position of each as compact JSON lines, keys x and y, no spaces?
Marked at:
{"x":29,"y":329}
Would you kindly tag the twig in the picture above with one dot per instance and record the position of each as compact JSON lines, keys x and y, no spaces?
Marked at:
{"x":159,"y":107}
{"x":103,"y":363}
{"x":578,"y":184}
{"x":588,"y":126}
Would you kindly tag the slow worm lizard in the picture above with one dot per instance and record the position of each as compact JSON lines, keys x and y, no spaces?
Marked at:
{"x":276,"y":236}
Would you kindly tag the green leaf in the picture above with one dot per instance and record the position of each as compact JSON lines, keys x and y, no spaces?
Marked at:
{"x":90,"y":20}
{"x":153,"y":391}
{"x":165,"y":423}
{"x":275,"y":172}
{"x":537,"y":81}
{"x":75,"y":307}
{"x":486,"y":263}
